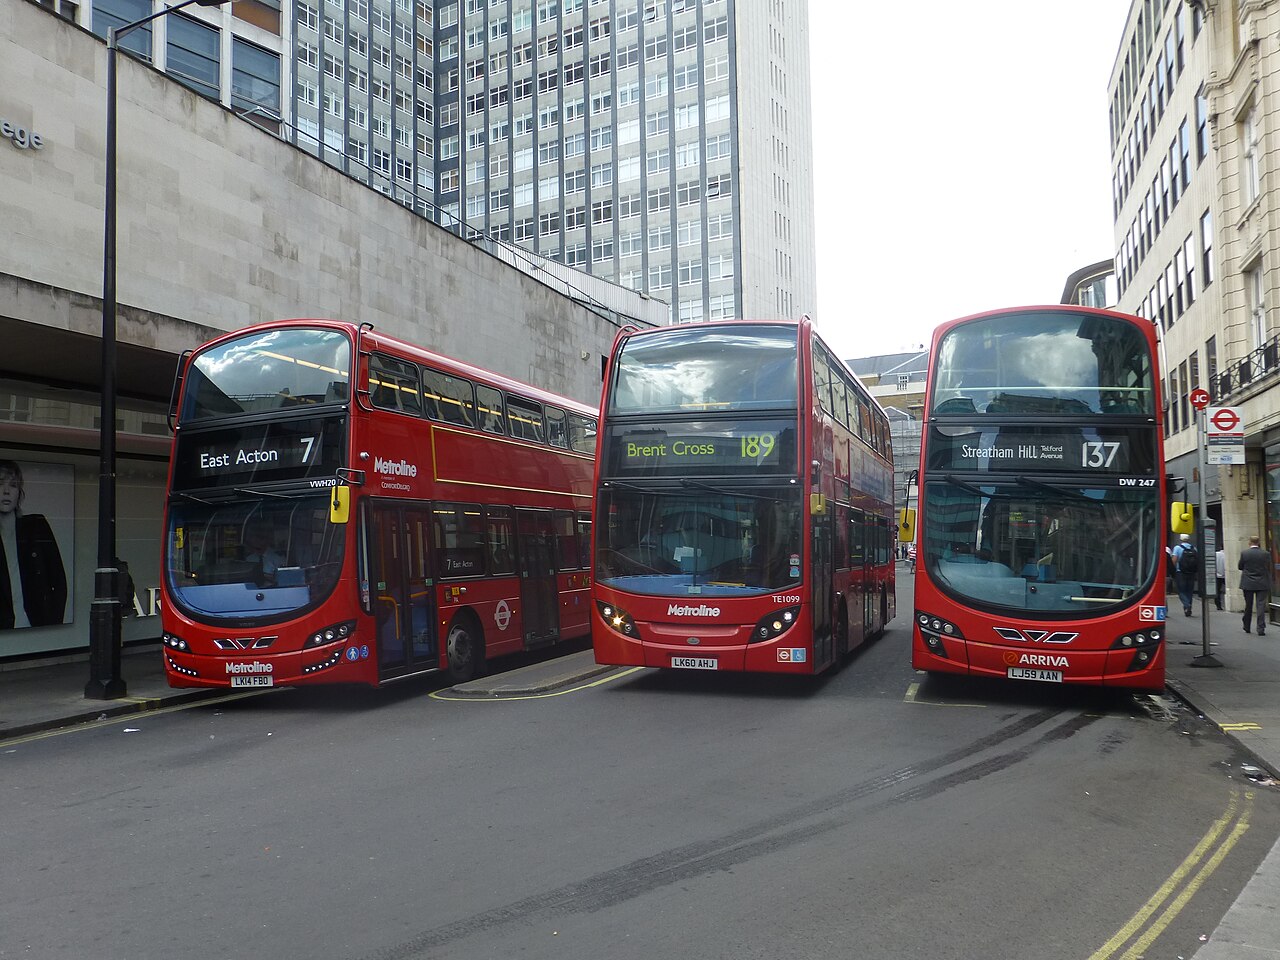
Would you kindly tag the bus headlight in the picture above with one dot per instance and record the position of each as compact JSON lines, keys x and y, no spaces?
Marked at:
{"x":775,"y":624}
{"x":933,"y":629}
{"x":174,"y":642}
{"x":330,"y":634}
{"x":618,"y":620}
{"x":1144,"y":643}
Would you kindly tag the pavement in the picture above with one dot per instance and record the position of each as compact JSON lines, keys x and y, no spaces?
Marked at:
{"x":1237,"y":688}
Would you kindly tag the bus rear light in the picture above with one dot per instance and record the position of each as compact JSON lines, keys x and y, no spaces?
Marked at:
{"x":617,"y":619}
{"x":329,"y":661}
{"x":330,"y":634}
{"x":178,"y":668}
{"x":174,"y":642}
{"x":933,"y":629}
{"x":774,"y":625}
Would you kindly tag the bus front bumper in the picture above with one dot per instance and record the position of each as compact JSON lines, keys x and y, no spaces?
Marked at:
{"x":1109,"y":668}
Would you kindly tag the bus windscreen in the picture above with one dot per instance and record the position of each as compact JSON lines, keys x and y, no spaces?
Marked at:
{"x":267,"y":372}
{"x":734,"y":367}
{"x":1044,"y":363}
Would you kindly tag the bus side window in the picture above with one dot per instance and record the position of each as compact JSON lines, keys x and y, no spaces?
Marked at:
{"x":584,"y":538}
{"x":489,"y":407}
{"x":582,"y":434}
{"x":526,"y":419}
{"x":458,"y":539}
{"x":499,"y":539}
{"x":449,"y":399}
{"x":567,"y":550}
{"x":557,"y":430}
{"x":393,"y":385}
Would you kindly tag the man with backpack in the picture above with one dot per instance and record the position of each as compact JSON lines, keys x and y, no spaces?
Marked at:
{"x":1186,"y":563}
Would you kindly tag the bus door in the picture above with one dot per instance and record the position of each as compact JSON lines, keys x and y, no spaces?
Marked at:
{"x":401,"y":588}
{"x":858,"y":592}
{"x":539,"y":596}
{"x":821,"y":573}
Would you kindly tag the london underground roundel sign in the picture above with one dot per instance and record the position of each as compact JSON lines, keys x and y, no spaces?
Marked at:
{"x":1225,"y":420}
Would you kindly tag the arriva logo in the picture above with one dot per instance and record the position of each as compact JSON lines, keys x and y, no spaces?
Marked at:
{"x":1035,"y":660}
{"x":397,"y":468}
{"x":256,"y":667}
{"x":701,"y":610}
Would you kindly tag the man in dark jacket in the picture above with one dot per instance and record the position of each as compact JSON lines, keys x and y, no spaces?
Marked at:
{"x":1255,"y":581}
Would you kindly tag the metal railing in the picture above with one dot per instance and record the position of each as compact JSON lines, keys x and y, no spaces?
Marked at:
{"x":1260,"y":364}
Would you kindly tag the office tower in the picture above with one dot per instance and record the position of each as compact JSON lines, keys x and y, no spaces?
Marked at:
{"x":664,"y":144}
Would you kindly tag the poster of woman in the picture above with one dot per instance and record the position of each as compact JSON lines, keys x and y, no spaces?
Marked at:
{"x":35,"y":499}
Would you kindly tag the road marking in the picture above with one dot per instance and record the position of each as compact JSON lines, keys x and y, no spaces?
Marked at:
{"x":914,"y":688}
{"x":1239,"y":726}
{"x":130,"y":717}
{"x":1167,"y":888}
{"x":438,"y":695}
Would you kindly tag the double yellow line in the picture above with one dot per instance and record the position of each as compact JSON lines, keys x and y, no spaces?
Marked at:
{"x":1237,"y":812}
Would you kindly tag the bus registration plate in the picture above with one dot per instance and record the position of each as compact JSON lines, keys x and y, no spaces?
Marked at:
{"x":254,"y":680}
{"x":1033,"y":673}
{"x":695,"y":663}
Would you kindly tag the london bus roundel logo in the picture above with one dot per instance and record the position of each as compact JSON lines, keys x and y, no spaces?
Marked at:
{"x":502,"y":615}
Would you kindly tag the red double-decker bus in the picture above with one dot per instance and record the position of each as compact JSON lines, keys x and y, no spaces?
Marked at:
{"x":743,"y":509}
{"x":346,"y":507}
{"x":1042,"y":500}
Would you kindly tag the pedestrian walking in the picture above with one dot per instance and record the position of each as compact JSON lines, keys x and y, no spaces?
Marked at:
{"x":1255,"y":581}
{"x":1186,"y":564}
{"x":1220,"y":578}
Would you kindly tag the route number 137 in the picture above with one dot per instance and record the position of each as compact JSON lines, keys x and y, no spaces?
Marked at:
{"x":1096,"y":453}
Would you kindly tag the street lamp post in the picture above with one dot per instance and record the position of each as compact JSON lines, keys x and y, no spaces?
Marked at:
{"x":105,"y":682}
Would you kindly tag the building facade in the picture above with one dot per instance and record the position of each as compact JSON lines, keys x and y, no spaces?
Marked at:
{"x":1195,"y":155}
{"x":223,"y":225}
{"x":665,"y":145}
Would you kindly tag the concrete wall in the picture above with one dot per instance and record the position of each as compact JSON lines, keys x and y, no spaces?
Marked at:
{"x":222,"y":225}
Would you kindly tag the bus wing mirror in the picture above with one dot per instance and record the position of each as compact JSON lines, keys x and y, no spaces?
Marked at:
{"x":817,"y":504}
{"x":1181,"y":517}
{"x":906,"y":525}
{"x":340,"y":505}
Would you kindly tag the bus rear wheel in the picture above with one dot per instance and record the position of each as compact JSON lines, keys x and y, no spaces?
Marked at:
{"x":465,"y":651}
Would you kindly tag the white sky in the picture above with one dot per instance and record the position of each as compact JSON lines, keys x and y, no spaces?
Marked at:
{"x":961,"y":159}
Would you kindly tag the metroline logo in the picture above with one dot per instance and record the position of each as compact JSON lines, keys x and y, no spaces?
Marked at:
{"x":396,"y":468}
{"x":256,"y":667}
{"x":701,"y":610}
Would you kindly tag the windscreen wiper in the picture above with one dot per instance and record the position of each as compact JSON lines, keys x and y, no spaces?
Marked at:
{"x":267,"y":493}
{"x":1054,"y":488}
{"x":975,"y":490}
{"x":726,"y":491}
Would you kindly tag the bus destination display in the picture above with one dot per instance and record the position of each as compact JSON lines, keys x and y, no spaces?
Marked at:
{"x":262,"y":453}
{"x":1115,"y":451}
{"x":703,"y":447}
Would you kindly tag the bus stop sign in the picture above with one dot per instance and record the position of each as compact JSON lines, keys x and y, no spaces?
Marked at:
{"x":1199,"y":398}
{"x":1225,"y":435}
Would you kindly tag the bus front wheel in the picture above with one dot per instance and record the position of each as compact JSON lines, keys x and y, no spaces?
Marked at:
{"x":465,"y":651}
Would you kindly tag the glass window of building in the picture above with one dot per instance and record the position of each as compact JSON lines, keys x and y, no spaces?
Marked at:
{"x":193,"y":55}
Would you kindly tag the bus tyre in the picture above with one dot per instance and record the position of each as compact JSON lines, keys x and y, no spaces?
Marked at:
{"x":465,"y":651}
